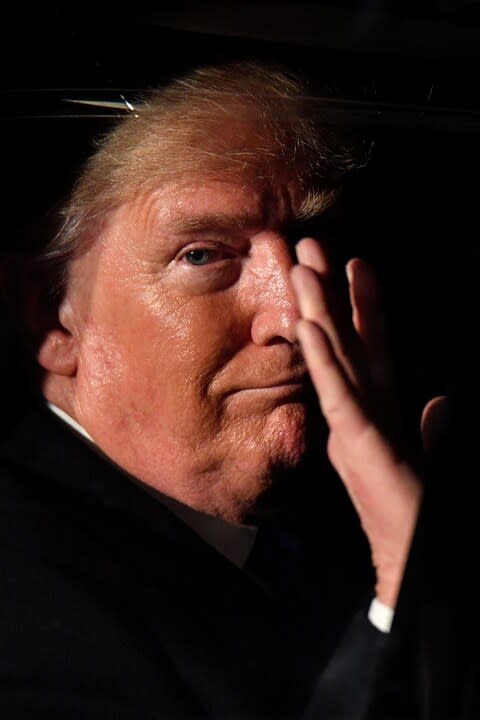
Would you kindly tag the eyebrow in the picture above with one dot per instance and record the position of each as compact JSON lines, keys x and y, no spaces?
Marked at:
{"x":316,"y":203}
{"x":215,"y":222}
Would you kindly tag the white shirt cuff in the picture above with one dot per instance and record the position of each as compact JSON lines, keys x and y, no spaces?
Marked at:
{"x":381,"y":615}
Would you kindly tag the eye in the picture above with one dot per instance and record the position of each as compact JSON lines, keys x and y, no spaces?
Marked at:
{"x":201,"y":256}
{"x":209,"y":266}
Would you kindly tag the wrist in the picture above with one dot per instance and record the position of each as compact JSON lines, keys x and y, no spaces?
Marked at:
{"x":387,"y":592}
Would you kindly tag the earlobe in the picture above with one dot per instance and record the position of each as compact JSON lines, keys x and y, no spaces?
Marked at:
{"x":57,"y":353}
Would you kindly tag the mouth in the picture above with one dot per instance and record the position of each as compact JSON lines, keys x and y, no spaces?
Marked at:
{"x":264,"y":395}
{"x":281,"y":388}
{"x":291,"y":392}
{"x":276,"y":386}
{"x":298,"y":381}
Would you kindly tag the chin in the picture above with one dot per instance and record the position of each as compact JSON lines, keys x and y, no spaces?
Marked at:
{"x":286,"y":435}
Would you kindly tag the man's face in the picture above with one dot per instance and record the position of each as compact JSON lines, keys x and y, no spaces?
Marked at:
{"x":183,"y":316}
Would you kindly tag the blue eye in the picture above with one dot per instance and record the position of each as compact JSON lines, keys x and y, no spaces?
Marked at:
{"x":199,"y":256}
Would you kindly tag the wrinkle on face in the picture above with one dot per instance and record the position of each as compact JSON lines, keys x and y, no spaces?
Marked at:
{"x":164,"y":357}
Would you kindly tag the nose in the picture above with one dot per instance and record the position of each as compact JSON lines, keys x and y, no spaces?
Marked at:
{"x":275,"y":312}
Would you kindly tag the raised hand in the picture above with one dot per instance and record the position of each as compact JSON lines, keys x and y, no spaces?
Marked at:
{"x":344,"y":345}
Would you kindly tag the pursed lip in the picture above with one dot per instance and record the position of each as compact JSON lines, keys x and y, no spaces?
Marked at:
{"x":295,"y":382}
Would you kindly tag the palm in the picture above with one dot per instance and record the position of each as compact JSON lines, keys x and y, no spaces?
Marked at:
{"x":345,"y":350}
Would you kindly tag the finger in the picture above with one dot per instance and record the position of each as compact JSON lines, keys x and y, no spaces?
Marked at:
{"x":364,"y":294}
{"x":369,"y":321}
{"x":433,"y":421}
{"x":315,"y":307}
{"x":335,"y":391}
{"x":310,"y":294}
{"x":311,"y":254}
{"x":320,"y":301}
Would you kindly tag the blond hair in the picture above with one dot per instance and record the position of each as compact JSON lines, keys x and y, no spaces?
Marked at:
{"x":243,"y":117}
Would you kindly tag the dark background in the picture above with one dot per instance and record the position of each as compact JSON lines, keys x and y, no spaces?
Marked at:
{"x":404,"y":72}
{"x":407,"y":73}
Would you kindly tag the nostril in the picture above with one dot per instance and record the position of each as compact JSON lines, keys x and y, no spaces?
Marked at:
{"x":275,"y":321}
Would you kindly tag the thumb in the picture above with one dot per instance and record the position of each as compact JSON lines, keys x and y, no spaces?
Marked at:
{"x":433,"y":421}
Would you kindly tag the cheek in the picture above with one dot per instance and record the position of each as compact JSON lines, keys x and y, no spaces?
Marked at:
{"x":189,"y":340}
{"x":286,"y":432}
{"x":101,"y":365}
{"x":157,"y":369}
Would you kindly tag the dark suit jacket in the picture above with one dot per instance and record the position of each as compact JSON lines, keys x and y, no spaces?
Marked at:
{"x":110,"y":607}
{"x":434,"y":653}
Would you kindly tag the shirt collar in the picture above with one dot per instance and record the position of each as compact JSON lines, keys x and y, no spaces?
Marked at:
{"x":234,"y":541}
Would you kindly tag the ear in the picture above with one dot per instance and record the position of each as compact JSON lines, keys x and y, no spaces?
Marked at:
{"x":57,"y":352}
{"x":44,"y":319}
{"x":57,"y":349}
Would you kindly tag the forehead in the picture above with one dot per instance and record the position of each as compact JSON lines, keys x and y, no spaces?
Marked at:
{"x":237,"y":142}
{"x":231,"y":202}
